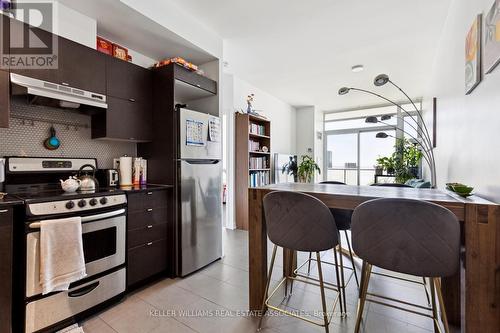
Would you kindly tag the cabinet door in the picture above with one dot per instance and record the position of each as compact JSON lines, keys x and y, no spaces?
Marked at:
{"x":81,"y":67}
{"x":4,"y":99}
{"x":128,"y":81}
{"x":5,"y":269}
{"x":146,"y":260}
{"x":195,"y":79}
{"x":124,"y":120}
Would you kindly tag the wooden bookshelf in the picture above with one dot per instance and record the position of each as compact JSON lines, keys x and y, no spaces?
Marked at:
{"x":245,"y":163}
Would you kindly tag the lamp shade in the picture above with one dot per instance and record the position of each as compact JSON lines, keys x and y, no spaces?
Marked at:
{"x":371,"y":120}
{"x":344,"y":91}
{"x":385,"y":117}
{"x":382,"y":135}
{"x":381,"y":79}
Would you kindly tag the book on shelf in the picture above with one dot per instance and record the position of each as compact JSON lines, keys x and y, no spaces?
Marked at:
{"x":257,"y":129}
{"x":259,"y":178}
{"x":253,"y":145}
{"x":258,"y":163}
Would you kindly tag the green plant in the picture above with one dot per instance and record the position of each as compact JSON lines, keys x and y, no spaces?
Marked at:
{"x":387,"y":163}
{"x":307,"y":168}
{"x":407,"y":159}
{"x":404,"y":162}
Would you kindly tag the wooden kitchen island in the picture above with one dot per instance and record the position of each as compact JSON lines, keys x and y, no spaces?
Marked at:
{"x":472,"y":296}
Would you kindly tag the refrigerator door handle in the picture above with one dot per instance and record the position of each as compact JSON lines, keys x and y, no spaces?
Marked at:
{"x":199,"y":161}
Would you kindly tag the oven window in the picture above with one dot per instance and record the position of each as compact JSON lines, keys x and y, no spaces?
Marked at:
{"x":99,"y":244}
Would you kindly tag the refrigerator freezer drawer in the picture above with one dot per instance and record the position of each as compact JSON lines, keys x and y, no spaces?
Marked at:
{"x":201,"y":214}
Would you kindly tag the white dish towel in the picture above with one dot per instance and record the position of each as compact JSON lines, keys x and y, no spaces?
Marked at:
{"x":61,"y":254}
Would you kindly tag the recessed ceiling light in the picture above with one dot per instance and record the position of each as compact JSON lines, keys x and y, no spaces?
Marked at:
{"x":357,"y":68}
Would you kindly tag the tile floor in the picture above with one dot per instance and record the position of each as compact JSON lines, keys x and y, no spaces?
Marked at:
{"x":212,"y":301}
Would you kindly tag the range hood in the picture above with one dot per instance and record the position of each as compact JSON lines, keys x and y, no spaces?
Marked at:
{"x":64,"y":96}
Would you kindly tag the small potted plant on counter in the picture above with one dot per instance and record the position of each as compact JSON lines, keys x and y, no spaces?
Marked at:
{"x":387,"y":163}
{"x":307,"y":168}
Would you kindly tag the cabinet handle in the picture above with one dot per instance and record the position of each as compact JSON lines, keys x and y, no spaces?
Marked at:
{"x":149,"y":244}
{"x":150,"y":209}
{"x":4,"y":211}
{"x":198,"y":86}
{"x":132,"y":99}
{"x":150,"y":193}
{"x":131,"y":138}
{"x":65,"y":84}
{"x":150,"y":226}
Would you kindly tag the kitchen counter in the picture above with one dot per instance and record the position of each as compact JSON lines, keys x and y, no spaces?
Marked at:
{"x":9,"y":201}
{"x":145,"y":188}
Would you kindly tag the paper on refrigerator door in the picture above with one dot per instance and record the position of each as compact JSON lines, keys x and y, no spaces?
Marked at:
{"x":194,"y":133}
{"x":214,"y":129}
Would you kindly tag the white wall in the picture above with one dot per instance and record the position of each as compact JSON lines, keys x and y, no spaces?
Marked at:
{"x":281,"y":114}
{"x":468,"y":131}
{"x":309,"y":122}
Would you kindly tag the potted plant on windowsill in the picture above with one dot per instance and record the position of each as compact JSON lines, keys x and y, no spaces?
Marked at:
{"x":307,"y":168}
{"x":387,"y":164}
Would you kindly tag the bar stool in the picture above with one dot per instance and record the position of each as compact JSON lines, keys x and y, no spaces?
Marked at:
{"x":299,"y":222}
{"x":343,"y":221}
{"x":410,"y":237}
{"x":423,"y":283}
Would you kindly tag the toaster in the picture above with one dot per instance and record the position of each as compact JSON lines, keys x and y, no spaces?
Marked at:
{"x":108,"y":177}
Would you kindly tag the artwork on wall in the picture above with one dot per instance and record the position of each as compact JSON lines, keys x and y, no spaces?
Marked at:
{"x":491,"y":55}
{"x":473,"y":56}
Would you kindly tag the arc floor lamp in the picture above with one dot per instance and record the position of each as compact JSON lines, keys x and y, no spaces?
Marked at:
{"x":417,"y":123}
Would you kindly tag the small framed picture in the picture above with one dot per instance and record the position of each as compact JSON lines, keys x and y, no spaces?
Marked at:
{"x":473,"y":56}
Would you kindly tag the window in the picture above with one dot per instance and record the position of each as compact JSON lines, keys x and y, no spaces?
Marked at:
{"x":351,"y":145}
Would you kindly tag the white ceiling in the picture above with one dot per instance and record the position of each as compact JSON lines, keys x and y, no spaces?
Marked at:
{"x":302,"y":51}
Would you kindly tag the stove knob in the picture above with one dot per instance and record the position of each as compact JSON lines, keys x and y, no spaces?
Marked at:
{"x":104,"y":201}
{"x":70,"y":205}
{"x":93,"y":202}
{"x":82,"y":203}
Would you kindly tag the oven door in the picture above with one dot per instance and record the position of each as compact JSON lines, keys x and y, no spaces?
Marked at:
{"x":103,"y":247}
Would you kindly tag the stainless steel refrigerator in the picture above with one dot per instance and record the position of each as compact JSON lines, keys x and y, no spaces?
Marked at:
{"x":200,"y":196}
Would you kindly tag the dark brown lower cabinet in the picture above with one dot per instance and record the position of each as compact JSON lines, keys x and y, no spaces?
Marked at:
{"x":6,"y":216}
{"x":147,"y":245}
{"x":4,"y":98}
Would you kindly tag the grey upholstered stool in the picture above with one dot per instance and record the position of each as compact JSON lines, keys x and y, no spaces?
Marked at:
{"x":423,"y":283}
{"x":299,"y":222}
{"x":343,"y":222}
{"x":410,"y":237}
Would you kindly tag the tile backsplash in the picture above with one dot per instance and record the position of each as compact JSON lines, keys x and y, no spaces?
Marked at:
{"x":26,"y":137}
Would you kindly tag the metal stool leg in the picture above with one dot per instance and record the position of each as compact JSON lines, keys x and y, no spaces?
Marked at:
{"x":338,"y":281}
{"x":444,"y":317}
{"x":365,"y":278}
{"x":352,"y":258}
{"x":291,"y":270}
{"x":434,"y":310}
{"x":309,"y":264}
{"x":322,"y":287}
{"x":264,"y":308}
{"x":426,"y":292}
{"x":342,"y":285}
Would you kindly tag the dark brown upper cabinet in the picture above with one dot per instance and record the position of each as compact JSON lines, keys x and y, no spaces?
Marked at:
{"x":194,"y":79}
{"x":4,"y":99}
{"x":78,"y":66}
{"x":128,"y":81}
{"x":81,"y":67}
{"x":124,"y":120}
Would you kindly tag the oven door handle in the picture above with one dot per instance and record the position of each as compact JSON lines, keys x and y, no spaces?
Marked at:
{"x":36,"y":225}
{"x":84,"y":291}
